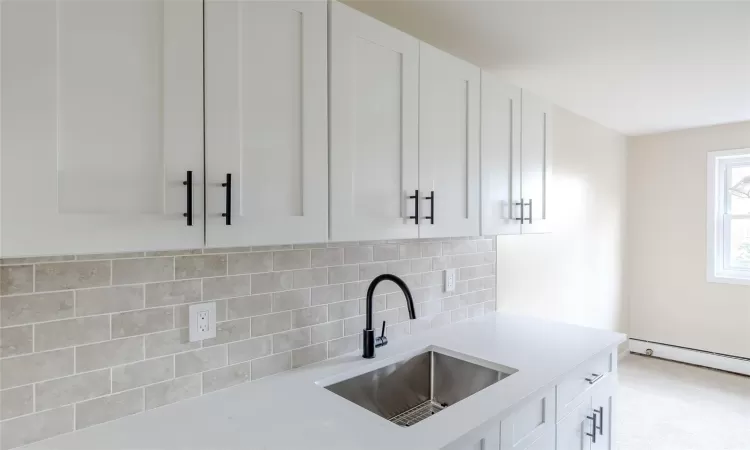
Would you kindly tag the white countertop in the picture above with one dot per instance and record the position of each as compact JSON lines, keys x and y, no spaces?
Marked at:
{"x":291,"y":411}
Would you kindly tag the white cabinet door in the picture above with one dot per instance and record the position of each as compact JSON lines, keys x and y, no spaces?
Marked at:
{"x":573,"y":432}
{"x":478,"y":440}
{"x":536,"y":160}
{"x":374,"y":82}
{"x":501,"y":157}
{"x":102,"y":118}
{"x":449,"y":125}
{"x":266,"y":122}
{"x":603,"y":401}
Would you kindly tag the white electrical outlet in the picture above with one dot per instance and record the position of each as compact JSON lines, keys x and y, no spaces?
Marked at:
{"x":202,"y":321}
{"x":450,"y":280}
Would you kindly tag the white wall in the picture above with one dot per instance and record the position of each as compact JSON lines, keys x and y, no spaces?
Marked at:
{"x":575,"y":273}
{"x":671,"y":301}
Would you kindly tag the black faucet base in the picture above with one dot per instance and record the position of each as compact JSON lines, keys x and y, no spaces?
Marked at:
{"x":368,"y":344}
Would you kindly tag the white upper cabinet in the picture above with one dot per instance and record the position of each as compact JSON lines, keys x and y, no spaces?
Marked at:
{"x":501,"y":157}
{"x":102,"y":118}
{"x":266,"y":122}
{"x":374,"y":82}
{"x":449,"y":122}
{"x":536,"y":160}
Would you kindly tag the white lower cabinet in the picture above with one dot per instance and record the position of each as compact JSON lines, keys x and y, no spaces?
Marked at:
{"x":583,"y":421}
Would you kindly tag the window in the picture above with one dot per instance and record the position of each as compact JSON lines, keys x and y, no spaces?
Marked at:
{"x":729,"y":216}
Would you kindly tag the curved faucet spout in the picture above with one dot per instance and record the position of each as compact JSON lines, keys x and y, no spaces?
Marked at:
{"x":369,"y":341}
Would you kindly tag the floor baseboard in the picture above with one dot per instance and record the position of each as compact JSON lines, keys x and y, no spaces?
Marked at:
{"x":690,"y":356}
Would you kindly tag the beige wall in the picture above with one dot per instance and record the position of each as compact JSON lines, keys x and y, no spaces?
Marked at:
{"x":574,"y":274}
{"x":671,"y":300}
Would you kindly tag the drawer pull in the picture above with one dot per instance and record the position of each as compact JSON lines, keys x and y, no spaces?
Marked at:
{"x":601,"y":420}
{"x":594,"y":378}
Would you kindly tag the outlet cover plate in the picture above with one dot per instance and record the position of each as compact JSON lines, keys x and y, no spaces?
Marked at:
{"x":450,"y":280}
{"x":202,"y":321}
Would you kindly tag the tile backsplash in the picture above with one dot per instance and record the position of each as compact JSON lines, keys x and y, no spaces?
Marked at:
{"x":86,"y":339}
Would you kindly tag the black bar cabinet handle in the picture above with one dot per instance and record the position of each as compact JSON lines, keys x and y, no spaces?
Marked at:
{"x":416,"y":207}
{"x":189,"y":183}
{"x":601,"y":420}
{"x":228,"y":213}
{"x":431,"y":198}
{"x":531,"y":211}
{"x":593,"y":429}
{"x":521,"y":205}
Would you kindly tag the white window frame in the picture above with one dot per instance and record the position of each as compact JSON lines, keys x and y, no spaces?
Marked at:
{"x":718,"y":219}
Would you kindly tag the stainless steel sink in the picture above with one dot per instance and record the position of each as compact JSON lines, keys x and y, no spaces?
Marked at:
{"x":416,"y":388}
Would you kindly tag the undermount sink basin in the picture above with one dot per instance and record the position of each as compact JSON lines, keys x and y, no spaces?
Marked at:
{"x":413,"y":389}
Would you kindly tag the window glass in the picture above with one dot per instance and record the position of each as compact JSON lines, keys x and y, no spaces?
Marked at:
{"x":739,"y":182}
{"x":739,"y":244}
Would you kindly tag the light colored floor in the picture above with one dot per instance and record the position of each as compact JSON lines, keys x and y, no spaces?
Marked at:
{"x":670,"y":406}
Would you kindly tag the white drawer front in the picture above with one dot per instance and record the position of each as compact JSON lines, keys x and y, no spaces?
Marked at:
{"x":529,"y":422}
{"x":545,"y":442}
{"x":579,"y":381}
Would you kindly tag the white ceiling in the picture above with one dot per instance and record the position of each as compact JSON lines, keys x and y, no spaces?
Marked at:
{"x":637,"y":67}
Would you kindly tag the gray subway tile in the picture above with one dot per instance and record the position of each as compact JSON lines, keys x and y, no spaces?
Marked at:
{"x":230,"y":331}
{"x":262,"y":283}
{"x":484,"y":245}
{"x":36,"y":367}
{"x":342,"y":310}
{"x":430,"y":249}
{"x":326,"y":331}
{"x":271,"y":323}
{"x":309,"y":355}
{"x":459,"y":315}
{"x":142,"y":270}
{"x":272,"y":248}
{"x":200,"y":360}
{"x":70,"y":332}
{"x":309,"y":246}
{"x":108,"y":300}
{"x":257,"y":262}
{"x":399,"y":268}
{"x":100,"y":256}
{"x":16,"y":402}
{"x":35,"y":259}
{"x":343,"y":274}
{"x":173,"y":293}
{"x":385,"y":252}
{"x":324,"y":257}
{"x":411,"y":250}
{"x":338,"y":347}
{"x":169,"y":342}
{"x":23,"y":309}
{"x":142,"y":373}
{"x":475,"y":310}
{"x":379,"y":303}
{"x":16,"y":341}
{"x":359,"y":254}
{"x":195,"y":251}
{"x":199,"y":266}
{"x":250,"y":349}
{"x":310,"y":277}
{"x":459,"y":247}
{"x":284,"y":301}
{"x":372,"y":270}
{"x":309,"y":316}
{"x":323,"y":295}
{"x":35,"y":427}
{"x":291,"y":259}
{"x":71,"y":275}
{"x":110,"y":353}
{"x":73,"y":389}
{"x":226,"y":287}
{"x":104,"y":409}
{"x":213,"y":250}
{"x":16,"y":280}
{"x":289,"y":340}
{"x":253,"y":305}
{"x":263,"y":367}
{"x":143,"y":321}
{"x":421,"y":265}
{"x":225,"y":377}
{"x":173,"y":391}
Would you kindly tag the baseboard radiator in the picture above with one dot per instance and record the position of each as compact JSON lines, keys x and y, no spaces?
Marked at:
{"x":702,"y":358}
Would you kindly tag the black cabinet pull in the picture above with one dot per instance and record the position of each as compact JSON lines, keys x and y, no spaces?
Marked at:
{"x":431,"y":198}
{"x":189,"y":183}
{"x":594,"y":378}
{"x":228,"y":207}
{"x":531,"y":211}
{"x":416,"y":207}
{"x":593,"y":429}
{"x":521,"y":204}
{"x":601,"y":421}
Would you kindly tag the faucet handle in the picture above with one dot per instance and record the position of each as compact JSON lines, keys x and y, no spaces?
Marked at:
{"x":382,"y":340}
